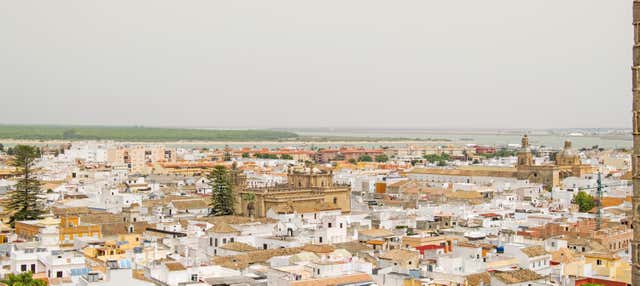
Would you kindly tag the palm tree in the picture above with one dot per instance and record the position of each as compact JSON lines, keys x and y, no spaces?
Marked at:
{"x":250,"y":198}
{"x":22,"y":279}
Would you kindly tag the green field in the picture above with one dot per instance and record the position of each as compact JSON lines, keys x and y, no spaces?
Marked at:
{"x":46,"y":132}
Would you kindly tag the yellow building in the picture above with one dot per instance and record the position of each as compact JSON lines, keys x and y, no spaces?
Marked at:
{"x":28,"y":230}
{"x":609,"y":265}
{"x":110,"y":251}
{"x":114,"y":249}
{"x":138,"y":157}
{"x":598,"y":263}
{"x":129,"y":241}
{"x":71,"y":228}
{"x":66,"y":229}
{"x":419,"y":241}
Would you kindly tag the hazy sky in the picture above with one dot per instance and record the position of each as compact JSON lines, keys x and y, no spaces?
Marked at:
{"x":330,"y":63}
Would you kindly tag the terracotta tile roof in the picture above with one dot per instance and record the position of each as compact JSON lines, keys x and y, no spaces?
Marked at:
{"x":465,"y":195}
{"x":101,"y":218}
{"x":353,"y":246}
{"x":62,"y":211}
{"x":340,"y":280}
{"x":602,"y":255}
{"x":375,"y":242}
{"x":376,"y":232}
{"x":235,"y":219}
{"x":611,"y":201}
{"x":241,"y":261}
{"x":479,"y":278}
{"x":236,"y":262}
{"x":175,"y":266}
{"x":563,"y":255}
{"x":468,"y":244}
{"x":238,"y":246}
{"x":112,"y":229}
{"x":190,"y":204}
{"x":319,"y":248}
{"x":399,"y":183}
{"x":223,"y":227}
{"x":494,"y":172}
{"x":534,"y":251}
{"x":399,"y":255}
{"x":517,"y":276}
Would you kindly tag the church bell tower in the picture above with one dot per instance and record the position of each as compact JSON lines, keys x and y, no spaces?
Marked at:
{"x":635,"y":168}
{"x":525,"y":158}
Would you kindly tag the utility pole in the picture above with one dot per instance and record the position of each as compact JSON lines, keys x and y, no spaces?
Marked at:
{"x":599,"y":196}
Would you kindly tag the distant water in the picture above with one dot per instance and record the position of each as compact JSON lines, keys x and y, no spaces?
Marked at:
{"x":459,"y":137}
{"x":553,"y":141}
{"x":548,"y":140}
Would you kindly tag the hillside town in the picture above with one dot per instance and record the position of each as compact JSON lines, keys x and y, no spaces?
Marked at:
{"x":113,"y":213}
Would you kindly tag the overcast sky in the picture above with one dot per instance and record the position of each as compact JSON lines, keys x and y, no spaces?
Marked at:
{"x":329,"y":63}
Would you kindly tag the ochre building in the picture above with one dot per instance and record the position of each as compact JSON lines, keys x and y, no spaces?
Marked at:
{"x":304,"y":192}
{"x":567,"y":164}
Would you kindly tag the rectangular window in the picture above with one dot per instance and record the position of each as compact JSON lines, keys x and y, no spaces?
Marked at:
{"x":23,"y":268}
{"x":59,"y":274}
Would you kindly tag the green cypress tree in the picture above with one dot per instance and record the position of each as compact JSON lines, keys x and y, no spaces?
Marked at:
{"x":222,"y":199}
{"x":24,"y":201}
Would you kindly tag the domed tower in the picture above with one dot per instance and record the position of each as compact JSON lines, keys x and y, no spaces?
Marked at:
{"x":238,"y":178}
{"x":525,"y":158}
{"x":568,"y":157}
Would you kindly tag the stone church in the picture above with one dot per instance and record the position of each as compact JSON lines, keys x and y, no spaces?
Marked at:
{"x":306,"y":191}
{"x":567,"y":164}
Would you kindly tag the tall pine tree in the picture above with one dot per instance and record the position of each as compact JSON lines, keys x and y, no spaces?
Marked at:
{"x":222,"y":199}
{"x":24,"y":201}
